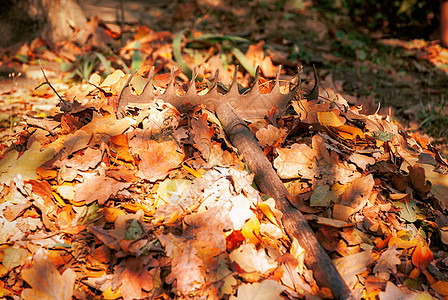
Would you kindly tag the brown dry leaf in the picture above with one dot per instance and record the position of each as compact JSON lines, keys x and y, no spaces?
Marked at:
{"x":134,"y":277}
{"x":103,"y":127}
{"x":157,"y":159}
{"x":98,"y":187}
{"x":297,"y":161}
{"x":266,"y":290}
{"x":399,"y":293}
{"x":120,"y":145}
{"x":46,"y":282}
{"x":387,"y":263}
{"x":202,"y":134}
{"x":270,"y":135}
{"x":256,"y":57}
{"x":418,"y":180}
{"x":439,"y":184}
{"x":187,"y":263}
{"x":357,"y":193}
{"x":249,"y":259}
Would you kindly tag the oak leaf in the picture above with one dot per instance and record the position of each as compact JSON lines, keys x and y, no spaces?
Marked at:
{"x":11,"y":164}
{"x":97,"y":187}
{"x":266,"y":290}
{"x":187,"y":263}
{"x":157,"y":159}
{"x":46,"y":282}
{"x":387,"y":263}
{"x":357,"y":193}
{"x":202,"y":134}
{"x":297,"y":161}
{"x":134,"y":277}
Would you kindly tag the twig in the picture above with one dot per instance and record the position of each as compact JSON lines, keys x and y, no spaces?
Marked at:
{"x":47,"y":82}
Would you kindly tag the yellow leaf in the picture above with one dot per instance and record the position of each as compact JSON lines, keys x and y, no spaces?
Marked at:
{"x":113,"y":78}
{"x":195,"y":173}
{"x":342,"y":212}
{"x":11,"y":165}
{"x":402,"y":243}
{"x":108,"y":294}
{"x":349,"y":132}
{"x":266,"y":210}
{"x":328,"y":118}
{"x":251,"y":230}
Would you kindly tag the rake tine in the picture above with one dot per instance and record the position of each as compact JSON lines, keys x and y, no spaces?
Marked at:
{"x":255,"y":85}
{"x":191,"y":91}
{"x":170,"y":88}
{"x":148,"y":90}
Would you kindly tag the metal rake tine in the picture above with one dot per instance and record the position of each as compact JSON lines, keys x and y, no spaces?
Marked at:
{"x":126,"y":86}
{"x":191,"y":91}
{"x":148,"y":90}
{"x":170,"y":88}
{"x":233,"y":88}
{"x":255,"y":85}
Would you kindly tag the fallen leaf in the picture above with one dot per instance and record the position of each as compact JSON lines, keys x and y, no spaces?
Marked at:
{"x":186,"y":263}
{"x":266,"y":290}
{"x":46,"y":282}
{"x":252,"y":260}
{"x":357,"y":193}
{"x":394,"y":292}
{"x":422,"y":256}
{"x":12,"y":165}
{"x":387,"y":263}
{"x":157,"y":159}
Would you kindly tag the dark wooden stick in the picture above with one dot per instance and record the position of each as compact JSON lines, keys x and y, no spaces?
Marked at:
{"x":269,"y":183}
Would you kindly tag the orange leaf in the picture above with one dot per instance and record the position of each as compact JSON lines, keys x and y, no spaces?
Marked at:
{"x":349,"y":132}
{"x":441,"y":287}
{"x":329,"y":118}
{"x":46,"y":282}
{"x":402,"y":243}
{"x":422,"y":256}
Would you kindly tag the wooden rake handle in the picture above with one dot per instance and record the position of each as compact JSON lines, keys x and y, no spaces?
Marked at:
{"x":269,"y":183}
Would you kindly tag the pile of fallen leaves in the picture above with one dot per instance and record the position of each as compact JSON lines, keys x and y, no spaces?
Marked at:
{"x":158,"y":204}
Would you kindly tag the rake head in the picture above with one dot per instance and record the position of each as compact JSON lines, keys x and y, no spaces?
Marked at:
{"x":250,"y":105}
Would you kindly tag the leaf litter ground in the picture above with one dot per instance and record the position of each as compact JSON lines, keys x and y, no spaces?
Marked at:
{"x":159,"y":205}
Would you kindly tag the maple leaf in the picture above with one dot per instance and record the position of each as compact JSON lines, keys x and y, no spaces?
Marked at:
{"x":157,"y":159}
{"x":387,"y":263}
{"x":12,"y":165}
{"x":186,"y":263}
{"x":46,"y":282}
